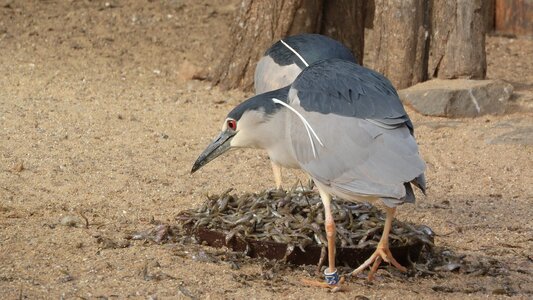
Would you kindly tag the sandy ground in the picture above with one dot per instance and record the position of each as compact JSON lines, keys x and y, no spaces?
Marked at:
{"x":98,"y":118}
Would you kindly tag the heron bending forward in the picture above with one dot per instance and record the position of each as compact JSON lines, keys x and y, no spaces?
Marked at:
{"x":344,"y":125}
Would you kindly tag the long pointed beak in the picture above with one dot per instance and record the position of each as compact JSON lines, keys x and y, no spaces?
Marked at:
{"x":217,"y":147}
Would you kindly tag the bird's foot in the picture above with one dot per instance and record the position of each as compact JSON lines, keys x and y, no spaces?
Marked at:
{"x":321,"y":284}
{"x":382,"y":253}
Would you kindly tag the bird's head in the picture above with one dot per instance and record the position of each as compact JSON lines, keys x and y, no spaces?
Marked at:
{"x":246,"y":126}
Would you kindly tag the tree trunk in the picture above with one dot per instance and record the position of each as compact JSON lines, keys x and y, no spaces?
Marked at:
{"x":258,"y":24}
{"x":514,"y":17}
{"x":400,"y":40}
{"x":458,"y":40}
{"x":411,"y":40}
{"x":344,"y":21}
{"x":489,"y":14}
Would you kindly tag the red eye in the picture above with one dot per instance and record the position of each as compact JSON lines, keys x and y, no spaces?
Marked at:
{"x":232,"y":124}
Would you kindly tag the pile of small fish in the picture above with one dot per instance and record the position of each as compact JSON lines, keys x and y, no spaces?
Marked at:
{"x":296,"y":218}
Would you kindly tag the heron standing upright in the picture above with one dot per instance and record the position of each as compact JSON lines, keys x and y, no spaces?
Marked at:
{"x":286,"y":59}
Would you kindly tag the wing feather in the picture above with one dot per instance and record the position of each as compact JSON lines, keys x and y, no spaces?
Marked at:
{"x":347,"y":89}
{"x":368,"y":148}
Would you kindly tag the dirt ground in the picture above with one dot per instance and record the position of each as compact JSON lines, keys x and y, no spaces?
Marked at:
{"x":99,"y":118}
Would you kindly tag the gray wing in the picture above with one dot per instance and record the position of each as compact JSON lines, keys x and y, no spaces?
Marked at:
{"x":347,"y":89}
{"x":367,"y":146}
{"x":358,"y":157}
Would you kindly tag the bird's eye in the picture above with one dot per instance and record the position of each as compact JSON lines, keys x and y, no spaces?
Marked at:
{"x":232,"y":124}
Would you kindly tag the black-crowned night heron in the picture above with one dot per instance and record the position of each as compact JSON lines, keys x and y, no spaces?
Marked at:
{"x":286,"y":59}
{"x":344,"y":125}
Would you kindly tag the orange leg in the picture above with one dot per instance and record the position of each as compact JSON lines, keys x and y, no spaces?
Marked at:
{"x":330,"y":230}
{"x":332,"y":279}
{"x":382,"y":252}
{"x":276,"y":169}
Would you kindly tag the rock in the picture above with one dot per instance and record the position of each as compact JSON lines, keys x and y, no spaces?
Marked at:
{"x":458,"y":97}
{"x":499,"y":291}
{"x":72,"y":221}
{"x":18,"y":167}
{"x":188,"y":71}
{"x":108,"y":243}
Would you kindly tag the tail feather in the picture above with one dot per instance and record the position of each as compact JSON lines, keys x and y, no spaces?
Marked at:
{"x":420,"y":182}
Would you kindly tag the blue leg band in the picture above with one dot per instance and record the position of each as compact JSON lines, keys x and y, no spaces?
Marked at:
{"x":331,"y":278}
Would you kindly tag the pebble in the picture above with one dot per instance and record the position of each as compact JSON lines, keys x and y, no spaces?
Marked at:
{"x":72,"y":221}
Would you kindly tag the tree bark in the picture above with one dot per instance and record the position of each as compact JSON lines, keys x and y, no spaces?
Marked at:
{"x":258,"y":24}
{"x":458,"y":40}
{"x":400,"y":40}
{"x":344,"y":21}
{"x":514,"y":17}
{"x":411,"y":40}
{"x":489,"y":14}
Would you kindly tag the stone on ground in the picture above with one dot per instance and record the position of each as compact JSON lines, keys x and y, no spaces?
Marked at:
{"x":458,"y":98}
